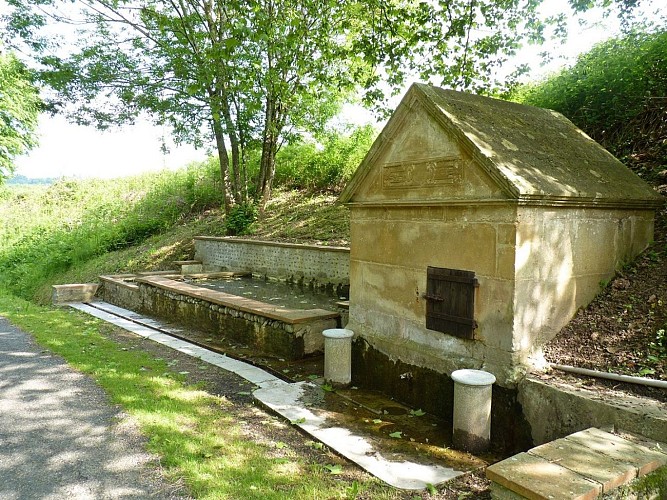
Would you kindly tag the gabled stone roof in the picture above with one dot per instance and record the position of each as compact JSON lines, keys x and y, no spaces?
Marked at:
{"x":535,"y":155}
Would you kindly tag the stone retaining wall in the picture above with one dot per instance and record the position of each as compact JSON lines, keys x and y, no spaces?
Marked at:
{"x":310,"y":264}
{"x":270,"y":332}
{"x":287,"y":333}
{"x":555,"y":409}
{"x":115,"y":290}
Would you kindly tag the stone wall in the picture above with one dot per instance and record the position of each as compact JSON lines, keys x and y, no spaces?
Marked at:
{"x":311,"y":264}
{"x":563,"y":257}
{"x":115,"y":290}
{"x":266,"y":335}
{"x":286,"y":333}
{"x":536,"y":265}
{"x":386,"y":303}
{"x":555,"y":409}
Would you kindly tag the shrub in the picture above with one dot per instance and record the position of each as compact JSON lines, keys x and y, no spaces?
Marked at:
{"x":74,"y":221}
{"x":240,"y":218}
{"x":616,"y":93}
{"x":326,"y":166}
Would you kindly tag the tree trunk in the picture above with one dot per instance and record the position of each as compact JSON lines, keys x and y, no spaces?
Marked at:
{"x":267,"y":170}
{"x":223,"y":157}
{"x":234,"y":142}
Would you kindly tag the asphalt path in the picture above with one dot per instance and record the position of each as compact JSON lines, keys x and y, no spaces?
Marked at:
{"x":60,"y":438}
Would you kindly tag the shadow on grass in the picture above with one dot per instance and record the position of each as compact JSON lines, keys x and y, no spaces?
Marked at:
{"x":194,"y":433}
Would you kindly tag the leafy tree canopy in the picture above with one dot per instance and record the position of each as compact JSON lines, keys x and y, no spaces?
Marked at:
{"x":251,"y":73}
{"x":19,"y":109}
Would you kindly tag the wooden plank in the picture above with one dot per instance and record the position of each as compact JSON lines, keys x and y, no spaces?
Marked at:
{"x":455,"y":319}
{"x":454,"y":314}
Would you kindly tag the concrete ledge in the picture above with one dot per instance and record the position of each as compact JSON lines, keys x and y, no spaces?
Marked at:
{"x":78,"y":292}
{"x":555,"y":409}
{"x":228,"y":239}
{"x":243,"y":304}
{"x":120,"y":280}
{"x":189,"y":266}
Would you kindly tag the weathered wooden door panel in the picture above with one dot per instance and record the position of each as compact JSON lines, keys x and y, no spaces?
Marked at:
{"x":450,"y":301}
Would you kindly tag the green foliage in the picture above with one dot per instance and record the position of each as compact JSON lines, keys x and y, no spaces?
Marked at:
{"x":78,"y":230}
{"x":617,"y":93}
{"x":238,"y":75}
{"x":240,"y":218}
{"x":19,"y":108}
{"x":304,"y":165}
{"x":652,"y":485}
{"x":250,"y":74}
{"x":73,"y":221}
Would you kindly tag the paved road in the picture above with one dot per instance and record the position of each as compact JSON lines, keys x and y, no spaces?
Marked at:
{"x":59,"y":436}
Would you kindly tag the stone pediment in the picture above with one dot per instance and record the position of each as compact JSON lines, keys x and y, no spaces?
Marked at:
{"x":447,"y":146}
{"x":420,"y":162}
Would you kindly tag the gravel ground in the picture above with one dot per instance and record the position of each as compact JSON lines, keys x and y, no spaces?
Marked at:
{"x":61,"y":438}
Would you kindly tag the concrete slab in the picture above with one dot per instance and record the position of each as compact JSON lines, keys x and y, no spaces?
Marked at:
{"x":191,"y":350}
{"x":111,"y":318}
{"x":256,"y":375}
{"x":544,"y":402}
{"x":286,"y":401}
{"x":538,"y":479}
{"x":639,"y":456}
{"x":609,"y":472}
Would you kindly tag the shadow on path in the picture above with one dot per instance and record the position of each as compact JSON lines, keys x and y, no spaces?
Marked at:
{"x":59,"y":435}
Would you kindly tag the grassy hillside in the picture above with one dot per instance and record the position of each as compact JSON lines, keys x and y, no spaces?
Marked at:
{"x":73,"y":231}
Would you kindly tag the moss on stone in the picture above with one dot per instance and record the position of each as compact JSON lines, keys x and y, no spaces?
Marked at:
{"x":652,"y":486}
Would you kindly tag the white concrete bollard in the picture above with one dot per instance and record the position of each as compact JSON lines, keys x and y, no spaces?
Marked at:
{"x":472,"y":410}
{"x":338,"y":356}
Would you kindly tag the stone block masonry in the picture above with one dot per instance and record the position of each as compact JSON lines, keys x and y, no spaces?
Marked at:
{"x":580,"y":466}
{"x":78,"y":292}
{"x":287,"y":333}
{"x":313,"y":265}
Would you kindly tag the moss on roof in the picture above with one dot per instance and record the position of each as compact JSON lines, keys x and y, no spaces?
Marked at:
{"x":535,"y":154}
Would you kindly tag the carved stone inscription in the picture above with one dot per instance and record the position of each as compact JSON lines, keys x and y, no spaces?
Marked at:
{"x":422,"y":173}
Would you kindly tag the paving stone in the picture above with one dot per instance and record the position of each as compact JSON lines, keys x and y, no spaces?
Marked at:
{"x":284,"y":399}
{"x":538,"y":479}
{"x":641,"y":457}
{"x":596,"y":466}
{"x":643,"y":441}
{"x":256,"y":375}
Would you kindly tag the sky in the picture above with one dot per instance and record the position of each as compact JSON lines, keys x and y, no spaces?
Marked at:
{"x":68,"y":150}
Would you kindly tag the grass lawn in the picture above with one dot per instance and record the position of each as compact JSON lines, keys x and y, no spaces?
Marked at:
{"x":196,"y":434}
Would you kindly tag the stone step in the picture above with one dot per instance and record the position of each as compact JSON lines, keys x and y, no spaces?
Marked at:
{"x":189,"y":266}
{"x":581,"y":466}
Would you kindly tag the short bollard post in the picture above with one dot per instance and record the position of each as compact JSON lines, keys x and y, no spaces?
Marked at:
{"x":338,"y":356}
{"x":472,"y":410}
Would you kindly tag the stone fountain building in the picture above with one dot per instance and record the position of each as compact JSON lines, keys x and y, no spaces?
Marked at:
{"x":478,"y":228}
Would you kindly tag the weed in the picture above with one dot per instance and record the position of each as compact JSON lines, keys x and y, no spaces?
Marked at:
{"x":240,"y":218}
